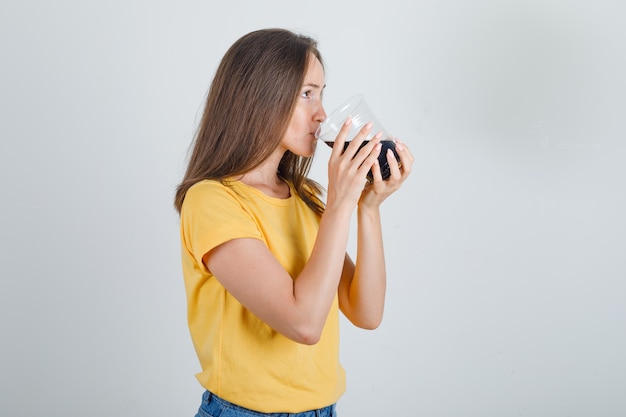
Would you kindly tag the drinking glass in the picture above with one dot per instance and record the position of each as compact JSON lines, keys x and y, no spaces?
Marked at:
{"x":361,"y":113}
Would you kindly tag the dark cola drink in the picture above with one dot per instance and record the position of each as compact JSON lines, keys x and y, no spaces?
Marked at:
{"x":382,"y":157}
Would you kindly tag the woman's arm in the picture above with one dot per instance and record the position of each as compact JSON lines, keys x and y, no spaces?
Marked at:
{"x":298,"y":307}
{"x":362,"y":287}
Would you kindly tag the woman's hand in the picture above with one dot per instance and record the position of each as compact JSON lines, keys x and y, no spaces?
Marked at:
{"x":378,"y":190}
{"x":347,"y":170}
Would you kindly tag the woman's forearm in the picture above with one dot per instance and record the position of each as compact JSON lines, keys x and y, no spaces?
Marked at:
{"x":366,"y":292}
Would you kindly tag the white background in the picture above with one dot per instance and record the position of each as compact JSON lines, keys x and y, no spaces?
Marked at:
{"x":506,"y":248}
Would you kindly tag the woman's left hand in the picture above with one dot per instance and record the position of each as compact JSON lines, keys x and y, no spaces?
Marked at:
{"x":378,"y":190}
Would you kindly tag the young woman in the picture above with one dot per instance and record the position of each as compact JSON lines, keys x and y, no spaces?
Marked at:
{"x":264,"y":258}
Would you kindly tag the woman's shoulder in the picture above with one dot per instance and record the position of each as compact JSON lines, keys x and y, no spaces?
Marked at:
{"x":209,"y":190}
{"x":206,"y":185}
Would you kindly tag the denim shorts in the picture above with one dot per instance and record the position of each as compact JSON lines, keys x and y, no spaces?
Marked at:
{"x":214,"y":406}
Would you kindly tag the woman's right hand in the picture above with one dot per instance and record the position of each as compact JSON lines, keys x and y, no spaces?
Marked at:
{"x":347,"y":170}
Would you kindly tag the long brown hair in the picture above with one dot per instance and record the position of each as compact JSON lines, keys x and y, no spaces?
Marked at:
{"x":247,"y":111}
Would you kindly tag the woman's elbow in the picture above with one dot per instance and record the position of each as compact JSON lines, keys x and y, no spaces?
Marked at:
{"x":304,"y":332}
{"x":371,"y":325}
{"x":307,"y":336}
{"x":368,"y":323}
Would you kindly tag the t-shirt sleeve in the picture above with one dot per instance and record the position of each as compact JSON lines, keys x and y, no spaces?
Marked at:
{"x":211,"y":215}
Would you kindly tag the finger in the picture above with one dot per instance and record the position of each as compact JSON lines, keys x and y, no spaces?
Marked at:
{"x":360,"y":150}
{"x":369,"y":160}
{"x":402,"y":148}
{"x":356,"y":144}
{"x":377,"y":175}
{"x":341,"y":137}
{"x":394,"y":164}
{"x":406,"y":157}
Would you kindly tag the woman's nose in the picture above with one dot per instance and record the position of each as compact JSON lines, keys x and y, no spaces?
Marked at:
{"x":320,"y":115}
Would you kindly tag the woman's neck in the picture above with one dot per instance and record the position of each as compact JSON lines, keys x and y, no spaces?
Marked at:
{"x":265,"y":178}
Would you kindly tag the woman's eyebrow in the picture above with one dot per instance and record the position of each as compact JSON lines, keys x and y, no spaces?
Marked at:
{"x":315,"y":86}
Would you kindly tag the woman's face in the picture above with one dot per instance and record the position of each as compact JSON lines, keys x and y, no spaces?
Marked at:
{"x":308,"y":114}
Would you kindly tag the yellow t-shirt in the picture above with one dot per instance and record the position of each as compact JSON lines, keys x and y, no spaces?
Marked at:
{"x":243,"y":360}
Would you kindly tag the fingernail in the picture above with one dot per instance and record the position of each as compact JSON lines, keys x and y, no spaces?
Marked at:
{"x":369,"y":125}
{"x":348,"y":121}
